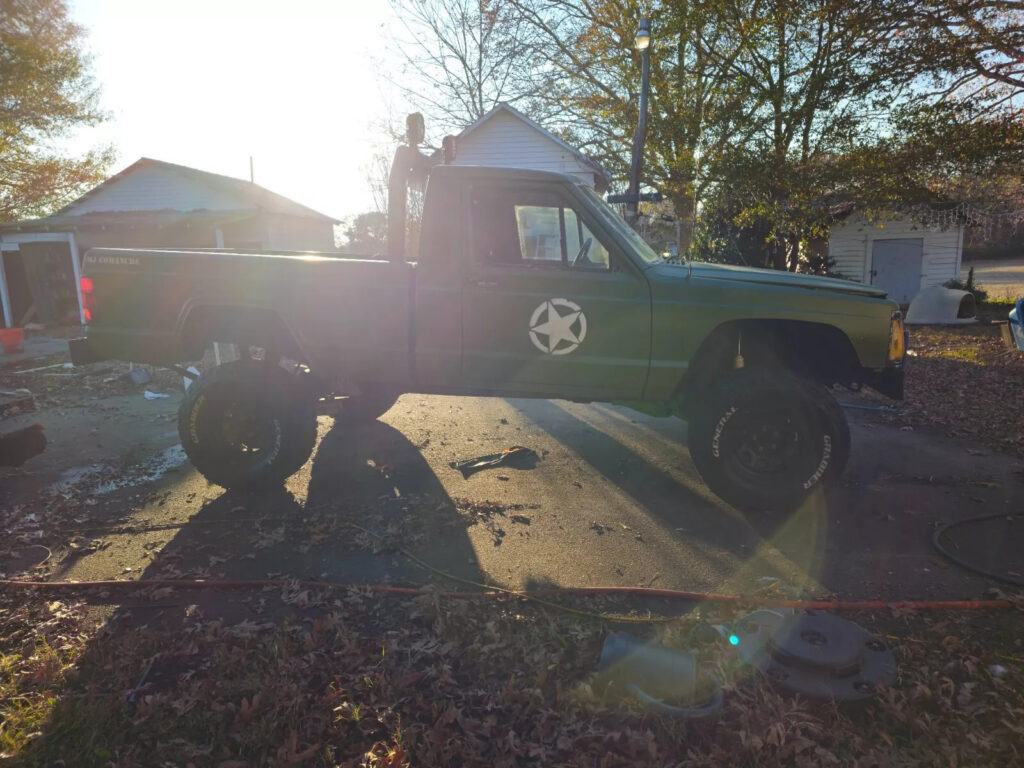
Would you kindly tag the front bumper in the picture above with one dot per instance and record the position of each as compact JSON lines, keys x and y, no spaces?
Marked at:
{"x":82,"y":352}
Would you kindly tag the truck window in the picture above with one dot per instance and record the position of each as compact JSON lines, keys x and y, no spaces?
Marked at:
{"x":539,"y":230}
{"x":532,"y":228}
{"x":577,"y":235}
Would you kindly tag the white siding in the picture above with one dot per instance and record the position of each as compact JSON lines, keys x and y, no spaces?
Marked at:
{"x":506,"y":141}
{"x":155,"y":189}
{"x":850,"y":246}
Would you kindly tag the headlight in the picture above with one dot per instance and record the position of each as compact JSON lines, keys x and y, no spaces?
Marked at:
{"x":897,"y":338}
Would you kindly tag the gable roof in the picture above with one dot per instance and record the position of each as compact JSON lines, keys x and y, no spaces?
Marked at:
{"x":603,"y":178}
{"x":249,"y":195}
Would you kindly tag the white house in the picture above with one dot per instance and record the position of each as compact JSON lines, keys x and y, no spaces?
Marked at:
{"x":507,"y":138}
{"x":149,"y":204}
{"x":901,"y":255}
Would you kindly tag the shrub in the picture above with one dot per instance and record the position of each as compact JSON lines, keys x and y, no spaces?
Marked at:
{"x":980,"y":294}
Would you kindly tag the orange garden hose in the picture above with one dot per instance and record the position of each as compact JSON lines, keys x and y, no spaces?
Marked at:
{"x":491,"y":592}
{"x":536,"y":595}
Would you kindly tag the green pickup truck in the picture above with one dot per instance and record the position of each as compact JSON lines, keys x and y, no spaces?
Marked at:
{"x":525,"y":284}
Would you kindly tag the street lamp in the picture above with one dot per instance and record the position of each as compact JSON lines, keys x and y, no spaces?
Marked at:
{"x":642,"y":39}
{"x":642,"y":43}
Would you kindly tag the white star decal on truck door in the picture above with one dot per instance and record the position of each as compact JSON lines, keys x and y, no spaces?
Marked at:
{"x":557,"y":332}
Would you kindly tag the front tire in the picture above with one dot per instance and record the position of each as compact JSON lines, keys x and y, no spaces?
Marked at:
{"x":247,"y":423}
{"x":765,"y":439}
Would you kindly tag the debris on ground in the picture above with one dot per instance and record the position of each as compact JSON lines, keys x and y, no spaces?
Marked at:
{"x":14,"y":402}
{"x":667,"y":681}
{"x":489,"y":513}
{"x":137,"y":376}
{"x":814,"y":654}
{"x":517,"y":457}
{"x":19,"y":446}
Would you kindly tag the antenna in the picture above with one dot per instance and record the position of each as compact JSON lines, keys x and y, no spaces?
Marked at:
{"x":252,"y":173}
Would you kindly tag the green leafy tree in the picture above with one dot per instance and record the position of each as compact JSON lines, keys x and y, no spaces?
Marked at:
{"x":366,"y":234}
{"x":696,"y":107}
{"x":46,"y":93}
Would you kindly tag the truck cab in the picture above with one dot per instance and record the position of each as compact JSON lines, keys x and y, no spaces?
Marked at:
{"x":522,"y":288}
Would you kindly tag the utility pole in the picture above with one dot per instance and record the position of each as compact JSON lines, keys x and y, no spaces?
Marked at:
{"x":642,"y":43}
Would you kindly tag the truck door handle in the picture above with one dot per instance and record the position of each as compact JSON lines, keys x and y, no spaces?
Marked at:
{"x":485,"y":283}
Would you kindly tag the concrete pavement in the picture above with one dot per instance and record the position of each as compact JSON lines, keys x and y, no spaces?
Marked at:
{"x":614,"y":499}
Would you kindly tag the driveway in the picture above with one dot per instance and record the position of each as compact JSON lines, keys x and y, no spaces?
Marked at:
{"x":1002,"y":278}
{"x":613,"y":499}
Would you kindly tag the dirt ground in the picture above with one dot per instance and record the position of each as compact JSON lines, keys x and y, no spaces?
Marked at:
{"x":612,"y":500}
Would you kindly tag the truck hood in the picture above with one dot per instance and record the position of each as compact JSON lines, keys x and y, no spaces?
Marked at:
{"x":728,"y":272}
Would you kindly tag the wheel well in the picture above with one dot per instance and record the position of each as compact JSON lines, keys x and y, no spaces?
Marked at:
{"x":245,"y":326}
{"x":810,"y":350}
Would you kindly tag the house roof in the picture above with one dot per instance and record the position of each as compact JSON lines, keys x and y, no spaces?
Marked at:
{"x":603,"y":176}
{"x":94,"y":220}
{"x":251,"y":197}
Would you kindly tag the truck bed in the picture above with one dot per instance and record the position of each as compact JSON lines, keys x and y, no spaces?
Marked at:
{"x":145,"y":304}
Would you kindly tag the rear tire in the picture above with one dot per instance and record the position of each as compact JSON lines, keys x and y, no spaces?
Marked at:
{"x":247,"y":423}
{"x":765,"y":439}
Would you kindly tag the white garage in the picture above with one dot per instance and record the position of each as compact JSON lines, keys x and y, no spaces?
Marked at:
{"x":900,"y":255}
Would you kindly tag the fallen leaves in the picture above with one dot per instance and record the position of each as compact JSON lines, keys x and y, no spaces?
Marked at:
{"x":967,"y":383}
{"x":361,"y":680}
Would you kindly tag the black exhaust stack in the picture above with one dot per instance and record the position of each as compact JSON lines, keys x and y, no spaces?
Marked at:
{"x":410,"y":166}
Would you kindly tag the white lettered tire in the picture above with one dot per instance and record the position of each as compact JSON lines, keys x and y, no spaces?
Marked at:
{"x":764,"y":439}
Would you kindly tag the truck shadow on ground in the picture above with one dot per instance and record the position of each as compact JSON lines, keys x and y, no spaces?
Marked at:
{"x":369,"y":493}
{"x":672,"y":500}
{"x":743,"y":549}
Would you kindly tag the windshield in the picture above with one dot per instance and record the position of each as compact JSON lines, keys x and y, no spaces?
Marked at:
{"x":613,"y":220}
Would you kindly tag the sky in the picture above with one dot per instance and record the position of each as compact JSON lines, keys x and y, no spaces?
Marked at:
{"x":209,"y":83}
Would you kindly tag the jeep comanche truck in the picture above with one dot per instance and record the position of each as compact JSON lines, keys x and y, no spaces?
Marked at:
{"x":525,"y":284}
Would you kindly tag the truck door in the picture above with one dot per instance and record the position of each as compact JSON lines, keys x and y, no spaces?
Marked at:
{"x":549,"y":307}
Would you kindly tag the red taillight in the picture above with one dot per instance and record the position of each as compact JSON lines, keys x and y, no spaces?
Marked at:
{"x":88,"y":300}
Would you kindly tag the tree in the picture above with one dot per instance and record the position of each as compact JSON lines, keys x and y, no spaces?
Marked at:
{"x":460,"y":58}
{"x":813,"y":97}
{"x":971,"y":51}
{"x":767,"y":114}
{"x":46,"y":92}
{"x":366,"y":234}
{"x":696,"y":110}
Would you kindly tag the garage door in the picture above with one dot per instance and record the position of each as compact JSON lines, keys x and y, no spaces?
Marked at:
{"x":896,"y":267}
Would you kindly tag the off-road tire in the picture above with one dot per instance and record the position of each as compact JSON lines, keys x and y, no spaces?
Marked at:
{"x":273,"y":403}
{"x":361,"y":409}
{"x":764,"y":439}
{"x":840,"y":429}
